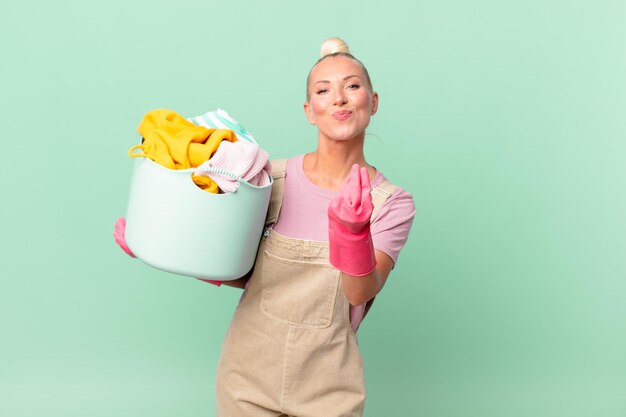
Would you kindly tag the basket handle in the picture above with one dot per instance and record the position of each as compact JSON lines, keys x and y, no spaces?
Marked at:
{"x":219,"y":171}
{"x":132,"y":154}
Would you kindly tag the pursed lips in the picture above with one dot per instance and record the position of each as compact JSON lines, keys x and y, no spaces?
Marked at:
{"x":342,"y":114}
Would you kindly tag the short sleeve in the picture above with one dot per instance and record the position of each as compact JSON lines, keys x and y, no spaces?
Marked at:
{"x":390,"y":229}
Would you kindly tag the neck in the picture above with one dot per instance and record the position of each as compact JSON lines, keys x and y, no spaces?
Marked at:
{"x":329,"y":166}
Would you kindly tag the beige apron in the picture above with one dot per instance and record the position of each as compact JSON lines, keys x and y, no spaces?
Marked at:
{"x":290,"y":349}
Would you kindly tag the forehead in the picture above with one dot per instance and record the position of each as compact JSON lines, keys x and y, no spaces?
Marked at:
{"x":336,"y":66}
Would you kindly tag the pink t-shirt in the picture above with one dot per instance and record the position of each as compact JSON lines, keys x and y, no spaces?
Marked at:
{"x":304,"y":215}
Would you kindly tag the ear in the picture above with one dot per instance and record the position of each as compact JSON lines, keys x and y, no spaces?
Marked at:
{"x":309,"y":113}
{"x":374,"y":103}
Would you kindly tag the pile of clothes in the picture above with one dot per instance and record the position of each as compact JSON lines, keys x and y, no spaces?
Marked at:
{"x":221,"y":151}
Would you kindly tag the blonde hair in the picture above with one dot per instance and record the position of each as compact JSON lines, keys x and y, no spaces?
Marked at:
{"x":333,"y":47}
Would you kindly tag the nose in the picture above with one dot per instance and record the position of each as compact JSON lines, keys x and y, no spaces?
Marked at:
{"x":340,"y":97}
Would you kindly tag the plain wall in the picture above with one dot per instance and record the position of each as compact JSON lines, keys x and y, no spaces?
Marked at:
{"x":505,"y":120}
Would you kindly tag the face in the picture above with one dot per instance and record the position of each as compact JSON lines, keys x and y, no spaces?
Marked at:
{"x":341,"y":102}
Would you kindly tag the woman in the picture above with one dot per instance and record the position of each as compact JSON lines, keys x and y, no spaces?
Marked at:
{"x":335,"y":228}
{"x":291,"y":348}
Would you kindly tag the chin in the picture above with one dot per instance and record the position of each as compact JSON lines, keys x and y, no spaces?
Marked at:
{"x":346,"y":138}
{"x":343,"y":136}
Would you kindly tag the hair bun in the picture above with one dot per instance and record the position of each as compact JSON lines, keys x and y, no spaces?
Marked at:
{"x":333,"y":45}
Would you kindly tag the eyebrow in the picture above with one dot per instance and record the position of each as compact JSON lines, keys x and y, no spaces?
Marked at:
{"x":344,"y":78}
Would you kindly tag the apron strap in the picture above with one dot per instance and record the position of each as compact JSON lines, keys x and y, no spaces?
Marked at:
{"x":380,"y":194}
{"x":279,"y":171}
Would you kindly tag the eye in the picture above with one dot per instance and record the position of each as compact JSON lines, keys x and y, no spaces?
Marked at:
{"x":322,"y":91}
{"x":354,"y":86}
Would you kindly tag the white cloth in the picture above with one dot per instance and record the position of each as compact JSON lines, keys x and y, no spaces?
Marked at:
{"x":219,"y":119}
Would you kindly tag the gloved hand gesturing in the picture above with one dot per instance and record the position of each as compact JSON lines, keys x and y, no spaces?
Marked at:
{"x":350,"y":241}
{"x":118,"y":234}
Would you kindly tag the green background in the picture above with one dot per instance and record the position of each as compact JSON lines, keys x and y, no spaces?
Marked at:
{"x":504,"y":119}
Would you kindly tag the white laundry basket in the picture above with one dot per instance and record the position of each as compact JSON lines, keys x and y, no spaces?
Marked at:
{"x":174,"y":225}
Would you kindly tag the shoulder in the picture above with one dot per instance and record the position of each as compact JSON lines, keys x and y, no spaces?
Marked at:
{"x":398,"y":209}
{"x":289,"y":160}
{"x":396,"y":198}
{"x":392,"y":223}
{"x":281,"y":165}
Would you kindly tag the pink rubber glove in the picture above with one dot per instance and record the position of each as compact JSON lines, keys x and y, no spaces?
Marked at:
{"x":118,"y":234}
{"x":350,"y":241}
{"x":211,"y":281}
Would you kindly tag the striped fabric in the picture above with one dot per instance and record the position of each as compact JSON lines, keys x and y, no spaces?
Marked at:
{"x":219,"y":119}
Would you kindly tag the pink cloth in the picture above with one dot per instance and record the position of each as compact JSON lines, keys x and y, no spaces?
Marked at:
{"x":304,"y":215}
{"x":243,"y":159}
